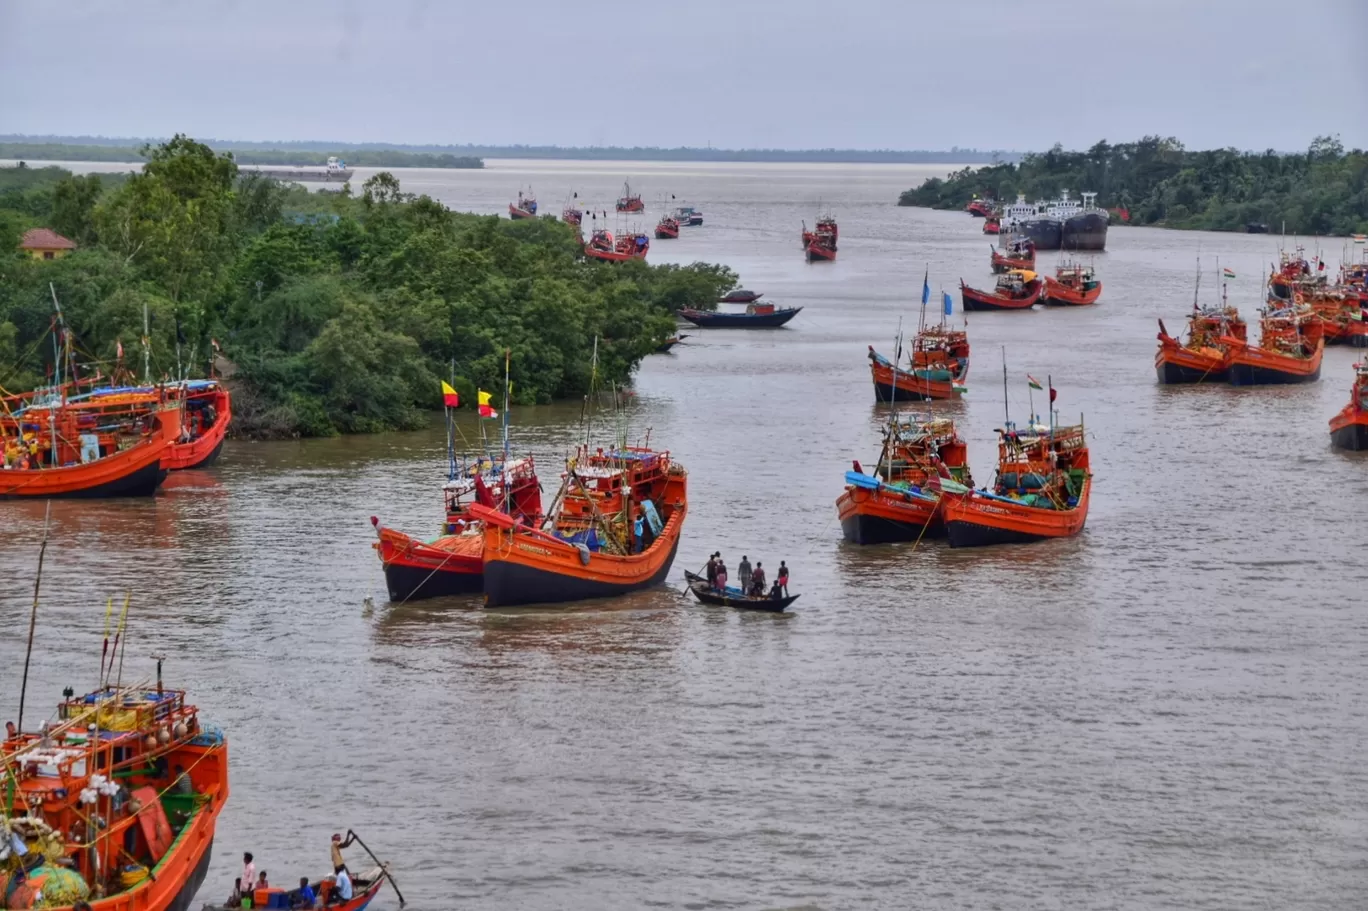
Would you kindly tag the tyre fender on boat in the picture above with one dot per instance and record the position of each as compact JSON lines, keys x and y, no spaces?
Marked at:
{"x":583,"y":554}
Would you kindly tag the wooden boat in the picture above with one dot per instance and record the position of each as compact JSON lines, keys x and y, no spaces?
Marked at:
{"x":86,"y":453}
{"x":1349,"y":428}
{"x":821,"y":244}
{"x":1204,"y":357}
{"x":896,"y":503}
{"x":1041,"y":491}
{"x":667,"y":227}
{"x":1289,"y":351}
{"x":365,"y":887}
{"x":826,"y":224}
{"x":120,"y":795}
{"x":740,"y":296}
{"x":1020,"y":254}
{"x":669,"y":343}
{"x":589,"y":548}
{"x":757,"y":316}
{"x":1016,"y":290}
{"x":734,"y":597}
{"x":1073,"y":285}
{"x":939,"y":362}
{"x":453,"y":562}
{"x":629,"y":202}
{"x":603,"y":246}
{"x":992,"y":225}
{"x":979,"y":208}
{"x":688,"y":215}
{"x":571,"y":213}
{"x":206,"y":412}
{"x":525,"y":207}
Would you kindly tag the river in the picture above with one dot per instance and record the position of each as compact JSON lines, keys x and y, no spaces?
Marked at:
{"x":1165,"y":712}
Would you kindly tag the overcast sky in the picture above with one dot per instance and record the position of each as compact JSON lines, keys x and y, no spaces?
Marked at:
{"x":737,"y":73}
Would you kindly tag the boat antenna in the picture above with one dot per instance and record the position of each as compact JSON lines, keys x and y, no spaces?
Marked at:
{"x":1006,"y":410}
{"x":451,"y":430}
{"x":593,"y":385}
{"x":1198,"y":289}
{"x":508,"y":353}
{"x":33,"y":615}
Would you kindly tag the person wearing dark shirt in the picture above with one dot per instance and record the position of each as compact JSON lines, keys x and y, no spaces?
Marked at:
{"x":757,"y":588}
{"x":782,"y":578}
{"x":712,"y":571}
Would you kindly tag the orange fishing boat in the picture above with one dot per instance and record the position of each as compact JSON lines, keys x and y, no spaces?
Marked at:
{"x":616,"y":531}
{"x":939,"y":362}
{"x":603,"y":246}
{"x":992,"y":224}
{"x":667,"y":228}
{"x":206,"y":413}
{"x":1016,"y":290}
{"x":1203,"y":358}
{"x":1041,"y":490}
{"x":1349,"y":428}
{"x":66,"y":451}
{"x":453,"y":562}
{"x":820,"y":245}
{"x":629,"y":202}
{"x":1290,"y":348}
{"x":114,"y":802}
{"x":1020,"y":254}
{"x":1073,"y":285}
{"x":895,"y":503}
{"x":525,"y":207}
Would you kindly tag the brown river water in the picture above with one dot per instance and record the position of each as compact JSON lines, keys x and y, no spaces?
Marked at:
{"x":1166,"y":712}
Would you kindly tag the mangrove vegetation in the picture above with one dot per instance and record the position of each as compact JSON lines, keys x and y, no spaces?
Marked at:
{"x":333,"y":312}
{"x":1321,"y":191}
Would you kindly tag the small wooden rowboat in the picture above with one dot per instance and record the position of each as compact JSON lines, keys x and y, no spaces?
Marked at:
{"x":365,"y":887}
{"x":740,"y":296}
{"x":1018,"y":290}
{"x":757,"y":316}
{"x":733,"y":598}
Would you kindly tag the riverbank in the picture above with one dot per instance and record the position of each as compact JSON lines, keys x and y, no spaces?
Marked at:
{"x":1322,"y":191}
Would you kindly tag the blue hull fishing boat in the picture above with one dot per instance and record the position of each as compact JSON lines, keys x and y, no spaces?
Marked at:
{"x":757,"y":316}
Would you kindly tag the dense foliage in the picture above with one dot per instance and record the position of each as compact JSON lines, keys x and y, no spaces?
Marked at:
{"x":338,"y":313}
{"x":361,"y":158}
{"x":1324,"y":191}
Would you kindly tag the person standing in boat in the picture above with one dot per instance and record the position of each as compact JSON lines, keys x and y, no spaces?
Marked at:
{"x":721,"y":575}
{"x":781,"y":579}
{"x":337,"y":845}
{"x":711,"y":571}
{"x":743,"y":574}
{"x":757,"y":588}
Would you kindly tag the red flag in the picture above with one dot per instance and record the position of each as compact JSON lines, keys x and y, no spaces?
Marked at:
{"x":1053,"y":392}
{"x":450,"y":398}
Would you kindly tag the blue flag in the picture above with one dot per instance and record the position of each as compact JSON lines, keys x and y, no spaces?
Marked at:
{"x":949,"y":304}
{"x":926,"y":287}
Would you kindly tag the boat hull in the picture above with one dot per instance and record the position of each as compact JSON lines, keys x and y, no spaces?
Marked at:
{"x":1176,"y":365}
{"x":983,"y":301}
{"x":612,"y":256}
{"x":706,"y":320}
{"x":515,"y":213}
{"x":1045,"y":233}
{"x":1087,"y":231}
{"x":1001,"y":263}
{"x":664,"y":233}
{"x":1350,"y":435}
{"x":907,"y":387}
{"x":1057,"y":294}
{"x":818,"y":254}
{"x":135,"y":472}
{"x":509,"y":583}
{"x":1256,"y":367}
{"x":414,"y":570}
{"x":884,"y":517}
{"x":978,"y":521}
{"x":205,"y":450}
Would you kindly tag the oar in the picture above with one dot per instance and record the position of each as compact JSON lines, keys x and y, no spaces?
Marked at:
{"x":384,"y":867}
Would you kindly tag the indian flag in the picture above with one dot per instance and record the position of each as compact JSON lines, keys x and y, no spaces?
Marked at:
{"x":1033,"y":382}
{"x":1228,"y":273}
{"x":1360,"y":238}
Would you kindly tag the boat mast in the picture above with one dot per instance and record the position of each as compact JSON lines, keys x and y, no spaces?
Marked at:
{"x":506,"y":483}
{"x":147,"y":348}
{"x":1006,"y":410}
{"x":451,"y":429}
{"x":33,"y":615}
{"x":60,"y":393}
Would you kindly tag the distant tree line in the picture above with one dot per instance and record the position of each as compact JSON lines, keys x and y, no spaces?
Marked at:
{"x":1321,"y":191}
{"x":352,"y":152}
{"x":364,"y":158}
{"x":339,"y":312}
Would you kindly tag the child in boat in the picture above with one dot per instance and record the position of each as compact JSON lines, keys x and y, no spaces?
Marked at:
{"x":721,"y":576}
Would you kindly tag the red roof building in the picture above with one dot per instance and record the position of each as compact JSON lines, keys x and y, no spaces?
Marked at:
{"x":45,"y":243}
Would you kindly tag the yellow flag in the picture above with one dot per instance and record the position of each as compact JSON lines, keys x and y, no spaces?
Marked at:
{"x":450,"y":398}
{"x":484,"y":397}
